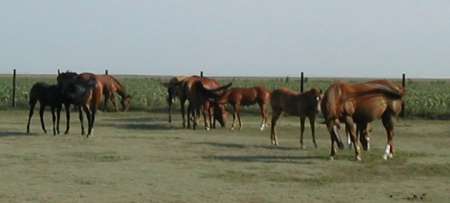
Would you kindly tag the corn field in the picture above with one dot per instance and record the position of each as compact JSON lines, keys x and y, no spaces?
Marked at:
{"x":425,"y":98}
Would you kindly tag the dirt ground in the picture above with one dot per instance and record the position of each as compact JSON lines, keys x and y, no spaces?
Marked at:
{"x":139,"y":157}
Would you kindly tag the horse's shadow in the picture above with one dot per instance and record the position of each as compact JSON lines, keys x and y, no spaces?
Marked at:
{"x":14,"y":133}
{"x":266,"y":158}
{"x":140,"y":126}
{"x":242,"y":146}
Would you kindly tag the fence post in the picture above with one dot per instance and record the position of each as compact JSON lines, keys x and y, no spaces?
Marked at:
{"x":402,"y":114}
{"x":301,"y":82}
{"x":201,"y":74}
{"x":14,"y":89}
{"x":106,"y":71}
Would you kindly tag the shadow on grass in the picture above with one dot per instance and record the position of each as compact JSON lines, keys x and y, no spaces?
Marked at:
{"x":140,"y":126}
{"x":134,"y":119}
{"x":268,"y":159}
{"x":242,"y":146}
{"x":11,"y":133}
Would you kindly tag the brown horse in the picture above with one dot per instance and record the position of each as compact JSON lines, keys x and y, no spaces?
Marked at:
{"x":111,"y":86}
{"x":46,"y":95}
{"x":199,"y":92}
{"x":84,"y":91}
{"x":359,"y":104}
{"x":304,"y":105}
{"x":243,"y":96}
{"x":175,"y":89}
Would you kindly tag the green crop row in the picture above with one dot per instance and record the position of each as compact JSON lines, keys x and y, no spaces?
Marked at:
{"x":425,"y":98}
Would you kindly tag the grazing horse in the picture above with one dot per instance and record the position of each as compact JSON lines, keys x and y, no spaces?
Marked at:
{"x":199,"y":92}
{"x":359,"y":104}
{"x":243,"y":96}
{"x":47,"y":95}
{"x":110,"y":86}
{"x":175,"y":88}
{"x":84,"y":91}
{"x":304,"y":105}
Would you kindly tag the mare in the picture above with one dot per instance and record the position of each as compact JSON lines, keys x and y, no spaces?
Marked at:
{"x":200,"y":92}
{"x":111,"y":86}
{"x":359,"y":104}
{"x":84,"y":91}
{"x":305,"y":105}
{"x":46,"y":95}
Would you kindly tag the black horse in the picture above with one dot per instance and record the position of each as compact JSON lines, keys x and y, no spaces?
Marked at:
{"x":47,"y":95}
{"x":79,"y":90}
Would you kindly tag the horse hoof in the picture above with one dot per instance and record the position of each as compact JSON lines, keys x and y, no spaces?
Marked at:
{"x":331,"y":158}
{"x":358,"y":158}
{"x":385,"y":156}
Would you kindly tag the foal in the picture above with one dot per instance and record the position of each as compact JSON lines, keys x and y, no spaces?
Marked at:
{"x":47,"y":95}
{"x":297,"y":104}
{"x":244,"y":96}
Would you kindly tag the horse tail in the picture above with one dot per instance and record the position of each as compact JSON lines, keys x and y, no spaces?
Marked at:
{"x":388,"y":90}
{"x":212,"y":93}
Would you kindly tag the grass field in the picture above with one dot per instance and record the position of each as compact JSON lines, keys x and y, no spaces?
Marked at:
{"x":139,"y":157}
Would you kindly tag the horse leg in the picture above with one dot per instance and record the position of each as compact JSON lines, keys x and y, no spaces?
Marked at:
{"x":41,"y":115}
{"x":105,"y":102}
{"x":53,"y":120}
{"x":361,"y":130}
{"x":312,"y":123}
{"x":205,"y":118}
{"x":263,"y":116}
{"x":32,"y":104}
{"x":388,"y":124}
{"x":67,"y":108}
{"x":238,"y":113}
{"x":113,"y":101}
{"x":91,"y":126}
{"x":273,"y":137}
{"x":183,"y":111}
{"x":189,"y":114}
{"x":88,"y":116}
{"x":349,"y":123}
{"x":80,"y":115}
{"x":58,"y":117}
{"x":234,"y":117}
{"x":302,"y":130}
{"x":332,"y":128}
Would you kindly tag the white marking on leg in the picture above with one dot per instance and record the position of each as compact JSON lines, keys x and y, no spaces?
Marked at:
{"x":262,"y":126}
{"x":387,"y":152}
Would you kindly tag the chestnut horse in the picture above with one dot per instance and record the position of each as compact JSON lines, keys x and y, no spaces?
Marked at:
{"x":84,"y":91}
{"x":199,"y":92}
{"x":110,"y":86}
{"x":243,"y":96}
{"x":47,"y":95}
{"x":304,"y":105}
{"x":359,"y":104}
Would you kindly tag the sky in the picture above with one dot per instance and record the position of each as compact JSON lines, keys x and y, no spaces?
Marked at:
{"x":345,"y":38}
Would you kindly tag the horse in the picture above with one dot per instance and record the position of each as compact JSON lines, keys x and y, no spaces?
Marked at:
{"x":200,"y":92}
{"x":358,"y":105}
{"x":305,"y":105}
{"x":111,"y":85}
{"x":46,"y":95}
{"x":175,"y":88}
{"x":84,"y":91}
{"x":238,"y":97}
